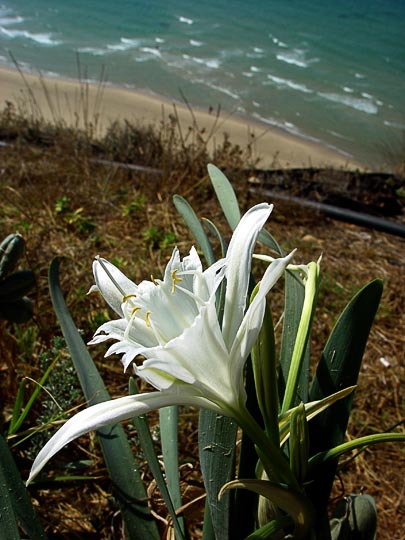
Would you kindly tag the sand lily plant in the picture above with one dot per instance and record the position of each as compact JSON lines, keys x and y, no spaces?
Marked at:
{"x":174,"y":325}
{"x":205,"y":338}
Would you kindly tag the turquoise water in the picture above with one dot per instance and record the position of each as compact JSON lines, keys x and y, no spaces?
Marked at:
{"x":330,"y":72}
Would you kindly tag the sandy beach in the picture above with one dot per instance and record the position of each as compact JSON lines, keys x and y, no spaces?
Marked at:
{"x":80,"y":104}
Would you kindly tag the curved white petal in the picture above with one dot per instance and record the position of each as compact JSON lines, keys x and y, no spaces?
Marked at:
{"x":253,"y":319}
{"x":238,"y":264}
{"x":112,"y":284}
{"x":112,"y":412}
{"x":198,"y":357}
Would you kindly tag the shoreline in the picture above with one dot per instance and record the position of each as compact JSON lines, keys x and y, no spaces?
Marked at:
{"x":81,"y":104}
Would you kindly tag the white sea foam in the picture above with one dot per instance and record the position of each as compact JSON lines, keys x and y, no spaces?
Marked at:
{"x":125,"y":44}
{"x":276,"y":41}
{"x":159,"y":40}
{"x":196,"y":43}
{"x":248,"y":74}
{"x":296,"y":57}
{"x":95,"y":51}
{"x":396,"y":125}
{"x":9,"y":21}
{"x":218,"y":88}
{"x":211,"y":63}
{"x":41,"y":39}
{"x":286,"y":83}
{"x":363,"y":105}
{"x":185,"y":20}
{"x":348,"y":89}
{"x":258,"y":50}
{"x":151,"y":51}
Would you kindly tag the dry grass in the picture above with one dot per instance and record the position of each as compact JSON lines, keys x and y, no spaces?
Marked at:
{"x":65,"y":203}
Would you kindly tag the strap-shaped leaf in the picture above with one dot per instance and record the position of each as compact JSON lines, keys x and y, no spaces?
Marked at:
{"x":192,"y":221}
{"x":339,"y":368}
{"x":294,"y":300}
{"x":15,"y":505}
{"x":148,"y":448}
{"x":226,"y":195}
{"x":229,"y":204}
{"x":169,"y":428}
{"x":120,"y":462}
{"x":217,"y":441}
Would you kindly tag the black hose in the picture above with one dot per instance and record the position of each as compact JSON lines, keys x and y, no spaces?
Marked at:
{"x":342,"y":214}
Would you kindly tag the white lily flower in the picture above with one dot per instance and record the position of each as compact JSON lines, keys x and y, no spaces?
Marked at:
{"x":173,"y":324}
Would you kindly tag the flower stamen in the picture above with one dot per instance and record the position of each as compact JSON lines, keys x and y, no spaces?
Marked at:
{"x":147,"y":318}
{"x":175,"y":280}
{"x":127,"y":297}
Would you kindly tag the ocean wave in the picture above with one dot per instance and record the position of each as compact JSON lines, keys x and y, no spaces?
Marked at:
{"x":196,"y":43}
{"x":95,"y":51}
{"x":9,"y":21}
{"x":218,"y":88}
{"x":296,"y":57}
{"x":124,"y":44}
{"x":41,"y":39}
{"x":286,"y":83}
{"x":396,"y":125}
{"x":277,"y":42}
{"x":294,"y":130}
{"x":151,"y":51}
{"x":185,"y":20}
{"x":284,"y":125}
{"x":211,"y":63}
{"x":362,"y":105}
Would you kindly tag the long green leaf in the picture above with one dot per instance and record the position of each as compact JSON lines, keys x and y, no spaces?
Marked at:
{"x":339,"y":368}
{"x":297,"y":380}
{"x":192,"y":221}
{"x":169,"y":428}
{"x":229,"y":204}
{"x":217,"y":442}
{"x":121,"y":464}
{"x":15,"y":504}
{"x":226,"y":196}
{"x":148,"y":448}
{"x":294,"y":300}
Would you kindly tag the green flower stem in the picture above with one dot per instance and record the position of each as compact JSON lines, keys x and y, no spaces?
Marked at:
{"x":356,"y":444}
{"x":273,"y":460}
{"x":311,"y":289}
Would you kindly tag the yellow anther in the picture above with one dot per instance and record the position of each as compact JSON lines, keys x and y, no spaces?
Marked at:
{"x":127,"y":297}
{"x":147,"y":318}
{"x":134,"y":310}
{"x":175,"y":280}
{"x":153,"y":280}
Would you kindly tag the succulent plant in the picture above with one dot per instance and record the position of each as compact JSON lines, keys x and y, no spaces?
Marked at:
{"x":14,"y":285}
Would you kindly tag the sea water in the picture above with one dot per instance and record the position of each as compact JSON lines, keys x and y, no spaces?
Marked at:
{"x":332,"y":72}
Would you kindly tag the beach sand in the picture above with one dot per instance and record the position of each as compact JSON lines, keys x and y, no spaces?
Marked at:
{"x":79,"y":104}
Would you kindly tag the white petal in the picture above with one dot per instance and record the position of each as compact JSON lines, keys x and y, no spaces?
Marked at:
{"x":253,"y":319}
{"x":198,"y":357}
{"x":238,"y":264}
{"x":111,"y":412}
{"x":112,"y":284}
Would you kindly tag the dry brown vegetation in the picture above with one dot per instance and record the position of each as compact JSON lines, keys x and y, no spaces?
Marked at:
{"x":60,"y":194}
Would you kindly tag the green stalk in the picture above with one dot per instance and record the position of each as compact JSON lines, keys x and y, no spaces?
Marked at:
{"x":273,"y":460}
{"x":308,"y":310}
{"x":359,"y":443}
